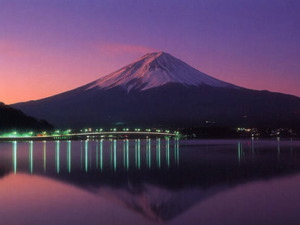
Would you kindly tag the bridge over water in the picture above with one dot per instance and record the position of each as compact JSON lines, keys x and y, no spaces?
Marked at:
{"x":93,"y":135}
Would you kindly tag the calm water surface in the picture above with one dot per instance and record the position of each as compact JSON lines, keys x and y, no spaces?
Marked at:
{"x":154,"y":181}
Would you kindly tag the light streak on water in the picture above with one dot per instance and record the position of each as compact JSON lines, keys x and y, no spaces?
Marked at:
{"x":111,"y":153}
{"x":57,"y":154}
{"x":124,"y":153}
{"x":45,"y":156}
{"x":97,"y":154}
{"x":135,"y":152}
{"x":69,"y":156}
{"x":252,"y":146}
{"x":81,"y":155}
{"x":168,"y":151}
{"x":115,"y":155}
{"x":148,"y":152}
{"x":14,"y":157}
{"x":158,"y":156}
{"x":139,"y":153}
{"x":31,"y":157}
{"x":137,"y":149}
{"x":239,"y":152}
{"x":127,"y":153}
{"x":90,"y":158}
{"x":86,"y":155}
{"x":176,"y":151}
{"x":101,"y":154}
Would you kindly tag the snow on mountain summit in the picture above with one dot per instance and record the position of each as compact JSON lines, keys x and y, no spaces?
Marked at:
{"x":153,"y":70}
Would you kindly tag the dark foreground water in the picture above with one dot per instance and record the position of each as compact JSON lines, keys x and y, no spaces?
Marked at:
{"x":157,"y":181}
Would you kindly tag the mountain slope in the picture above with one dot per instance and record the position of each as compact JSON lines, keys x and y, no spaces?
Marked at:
{"x":160,"y":90}
{"x":15,"y":119}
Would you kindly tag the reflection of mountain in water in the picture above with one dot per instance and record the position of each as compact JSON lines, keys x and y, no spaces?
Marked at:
{"x":152,"y":177}
{"x":157,"y":203}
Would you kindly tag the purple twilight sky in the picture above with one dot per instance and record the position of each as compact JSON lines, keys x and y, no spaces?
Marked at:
{"x":51,"y":46}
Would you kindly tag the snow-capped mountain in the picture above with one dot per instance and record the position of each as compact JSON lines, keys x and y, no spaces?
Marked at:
{"x":154,"y":70}
{"x":159,"y":90}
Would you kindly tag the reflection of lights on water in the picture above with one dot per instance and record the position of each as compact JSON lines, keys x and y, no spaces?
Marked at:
{"x":127,"y":154}
{"x":252,"y":147}
{"x":31,"y":156}
{"x":176,"y":151}
{"x":86,"y":149}
{"x":158,"y":159}
{"x":124,"y":153}
{"x":246,"y":149}
{"x":101,"y":154}
{"x":148,"y":152}
{"x":69,"y":156}
{"x":45,"y":156}
{"x":138,"y":153}
{"x":278,"y":150}
{"x":168,"y":152}
{"x":109,"y":155}
{"x":115,"y":155}
{"x":57,"y":159}
{"x":14,"y":157}
{"x":239,"y":152}
{"x":81,"y":155}
{"x":97,"y":154}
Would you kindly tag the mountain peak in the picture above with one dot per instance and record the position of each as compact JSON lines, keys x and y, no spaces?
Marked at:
{"x":155,"y":54}
{"x":153,"y":70}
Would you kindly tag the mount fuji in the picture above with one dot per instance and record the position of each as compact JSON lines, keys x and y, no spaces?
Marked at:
{"x":159,"y":90}
{"x":154,"y":70}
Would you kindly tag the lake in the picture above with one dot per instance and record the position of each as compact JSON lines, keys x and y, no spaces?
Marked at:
{"x":150,"y":181}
